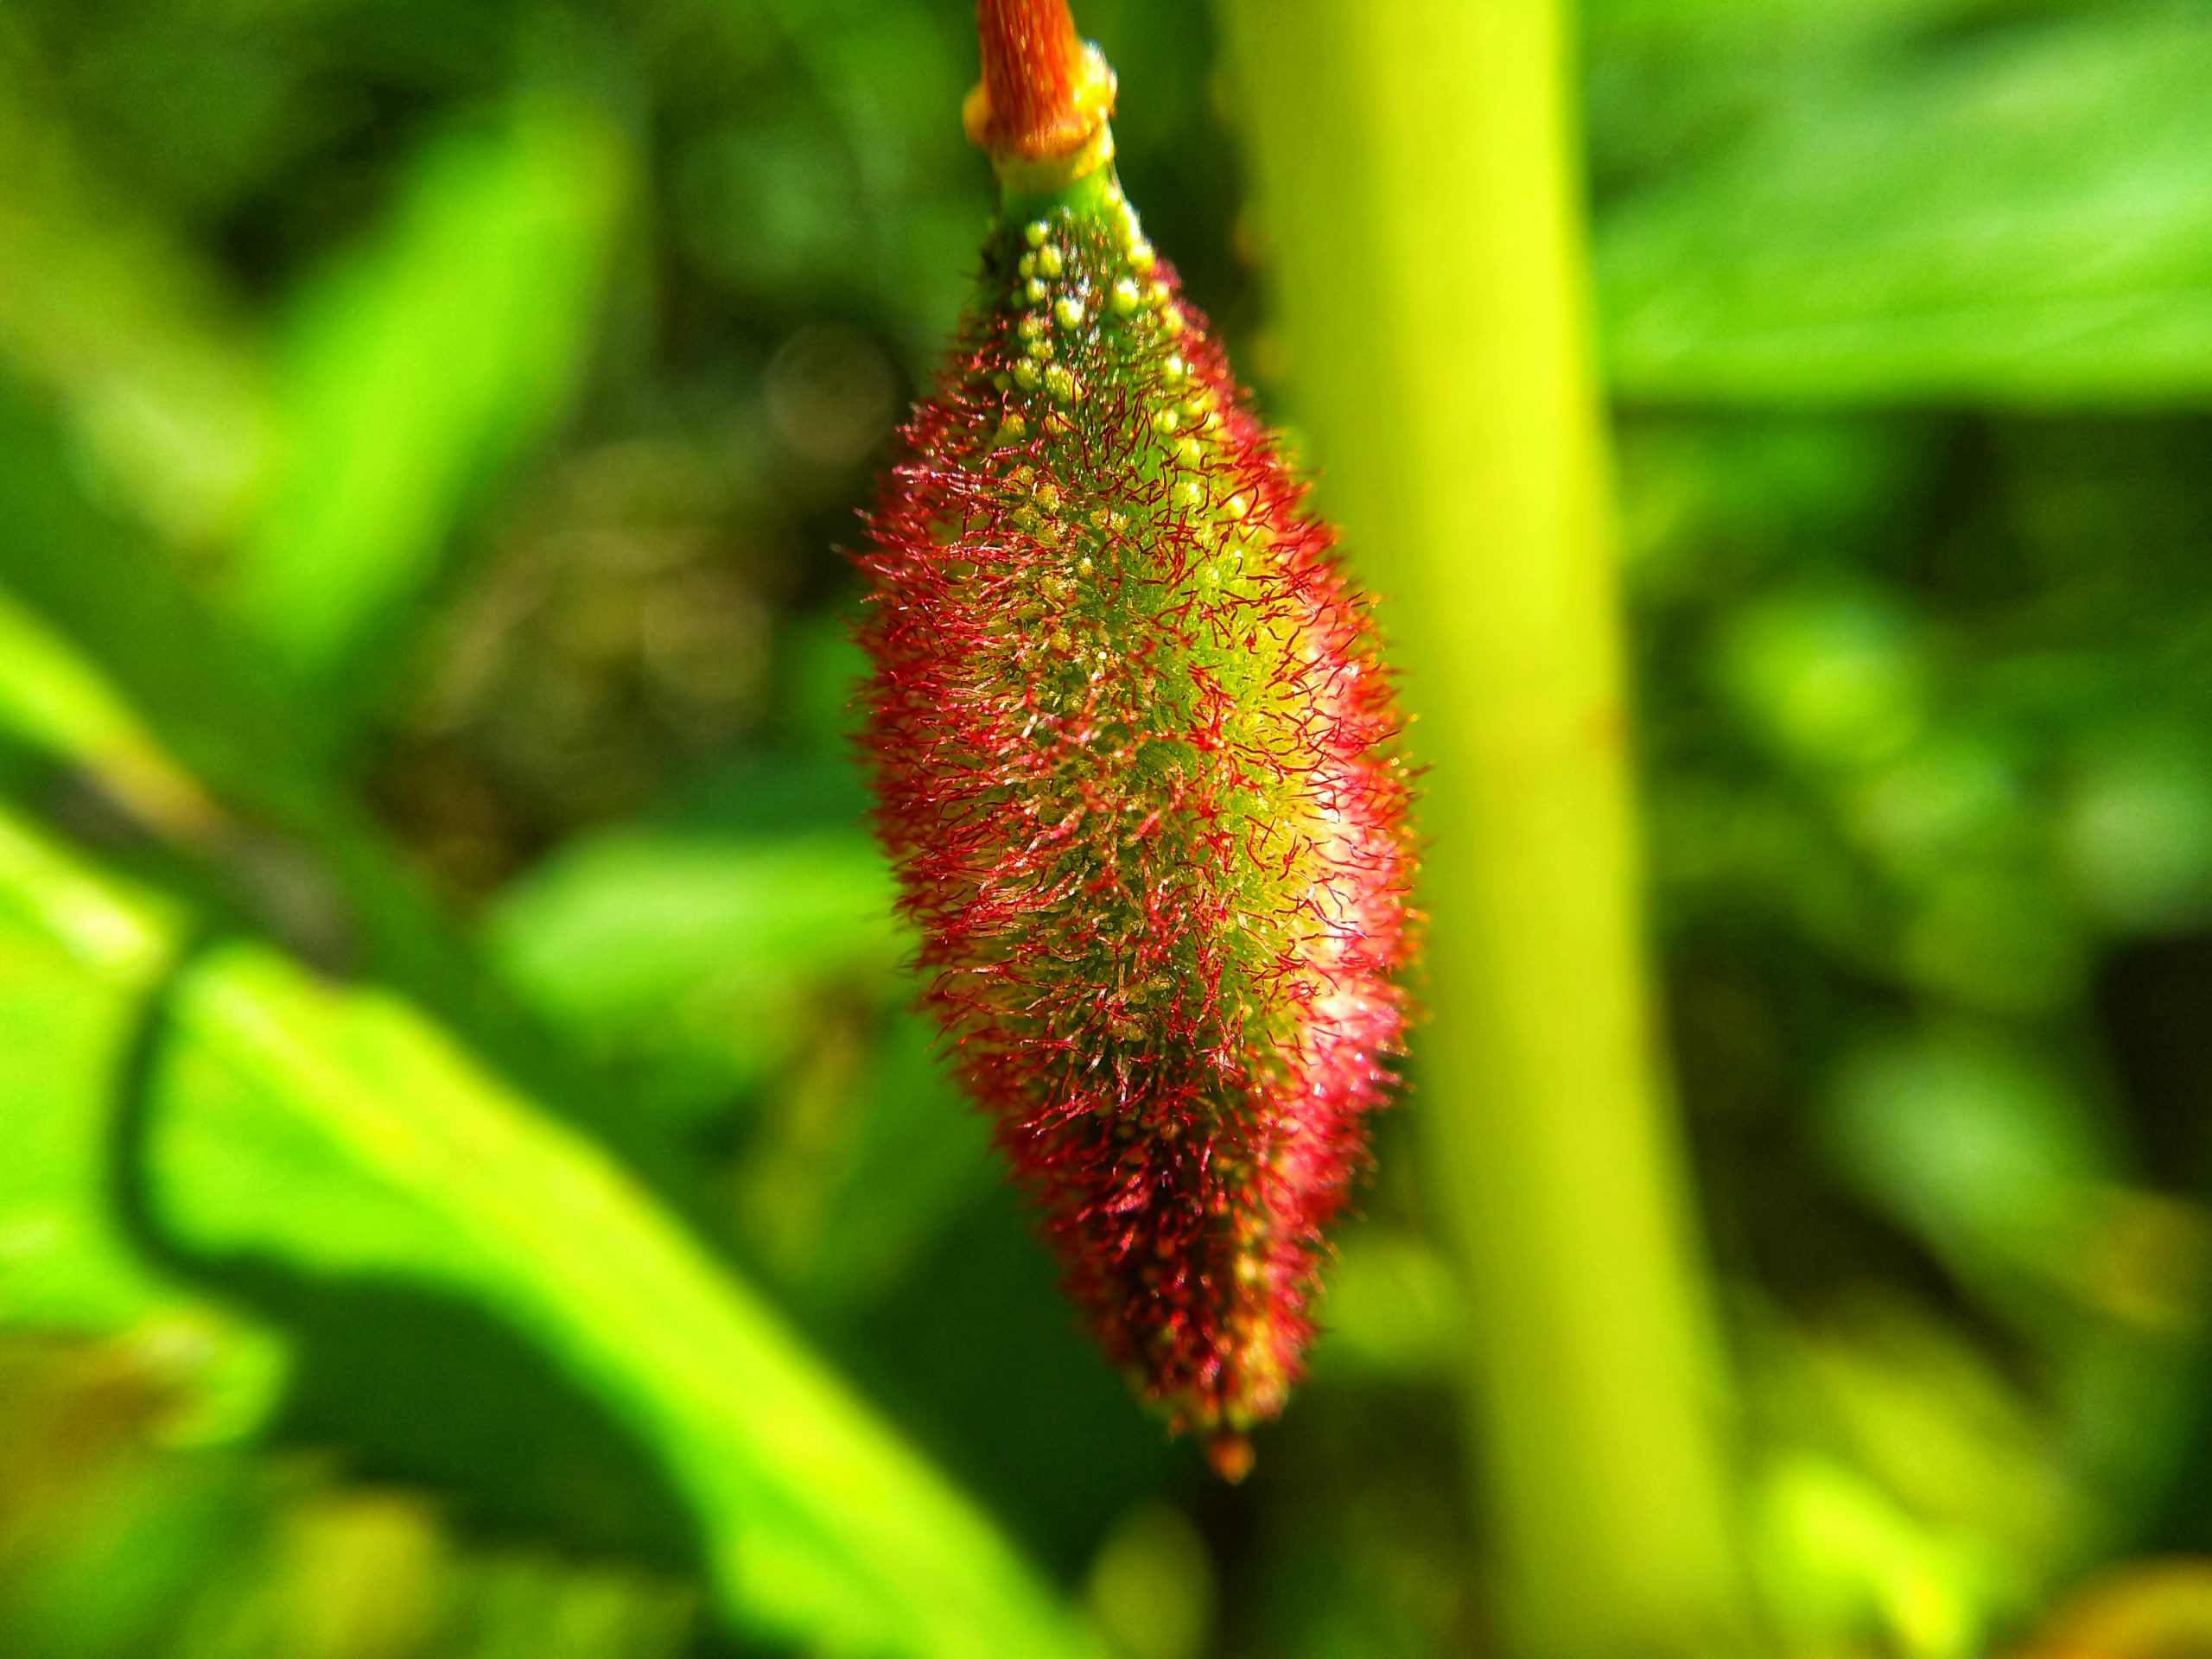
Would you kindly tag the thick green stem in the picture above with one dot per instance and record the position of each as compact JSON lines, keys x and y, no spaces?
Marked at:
{"x":1421,"y":184}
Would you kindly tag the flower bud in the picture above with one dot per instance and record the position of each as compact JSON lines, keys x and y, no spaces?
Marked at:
{"x":1137,"y":763}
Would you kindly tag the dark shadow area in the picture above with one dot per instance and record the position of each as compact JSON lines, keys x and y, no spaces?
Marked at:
{"x":981,"y":1358}
{"x":2152,"y":1000}
{"x":424,"y":1388}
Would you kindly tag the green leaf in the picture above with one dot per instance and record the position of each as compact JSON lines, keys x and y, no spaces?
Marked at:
{"x":744,"y":946}
{"x":120,"y":648}
{"x":57,"y":706}
{"x":202,"y":1107}
{"x":697,"y":950}
{"x":423,"y":367}
{"x":1985,"y":1154}
{"x":2025,"y":217}
{"x":68,"y":957}
{"x":160,"y":378}
{"x":128,"y":616}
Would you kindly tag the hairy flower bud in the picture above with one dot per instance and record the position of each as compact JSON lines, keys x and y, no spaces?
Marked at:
{"x":1137,"y":765}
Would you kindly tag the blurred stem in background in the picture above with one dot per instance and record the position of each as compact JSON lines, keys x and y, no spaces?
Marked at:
{"x":1422,"y":198}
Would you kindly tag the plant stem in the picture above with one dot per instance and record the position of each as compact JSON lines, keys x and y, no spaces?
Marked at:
{"x":1421,"y":184}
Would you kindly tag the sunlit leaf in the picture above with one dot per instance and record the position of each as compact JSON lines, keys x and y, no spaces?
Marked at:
{"x":423,"y":365}
{"x":2022,"y":218}
{"x":1838,"y":1556}
{"x":224,"y":1109}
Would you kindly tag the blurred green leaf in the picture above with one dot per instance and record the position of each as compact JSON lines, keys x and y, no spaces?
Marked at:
{"x":2137,"y":833}
{"x":95,"y":583}
{"x":2023,"y":217}
{"x":115,"y":1541}
{"x":1991,"y":1158}
{"x":142,"y":344}
{"x":56,"y":704}
{"x":1152,"y":1589}
{"x":215,"y":1105}
{"x":1391,"y":1307}
{"x":1748,"y":25}
{"x":1839,"y":1558}
{"x":121,"y":636}
{"x":695,"y":949}
{"x":1943,"y":1427}
{"x":747,"y":940}
{"x":1835,"y":680}
{"x":423,"y":366}
{"x":1918,"y":1481}
{"x":62,"y":1263}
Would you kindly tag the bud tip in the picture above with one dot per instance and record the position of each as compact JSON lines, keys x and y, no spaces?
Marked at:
{"x":1231,"y":1455}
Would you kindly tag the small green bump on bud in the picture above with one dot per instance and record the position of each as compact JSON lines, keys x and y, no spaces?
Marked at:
{"x":1126,"y":298}
{"x":1036,"y":290}
{"x":1190,"y":494}
{"x":1142,"y":257}
{"x":1026,"y":374}
{"x":1174,"y":371}
{"x":1166,"y":422}
{"x":1238,"y":506}
{"x":1060,"y":383}
{"x":1190,"y":452}
{"x":1048,"y":497}
{"x":1035,"y":232}
{"x":1069,"y":311}
{"x":1031,"y":325}
{"x":1002,"y":381}
{"x":1028,"y":266}
{"x":1050,"y":261}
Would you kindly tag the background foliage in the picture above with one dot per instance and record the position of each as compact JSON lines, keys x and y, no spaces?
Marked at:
{"x":468,"y":1184}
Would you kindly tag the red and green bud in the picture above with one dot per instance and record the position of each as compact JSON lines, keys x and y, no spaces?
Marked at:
{"x":1138,"y":766}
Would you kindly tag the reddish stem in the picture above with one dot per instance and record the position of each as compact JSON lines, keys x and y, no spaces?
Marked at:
{"x":1034,"y":76}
